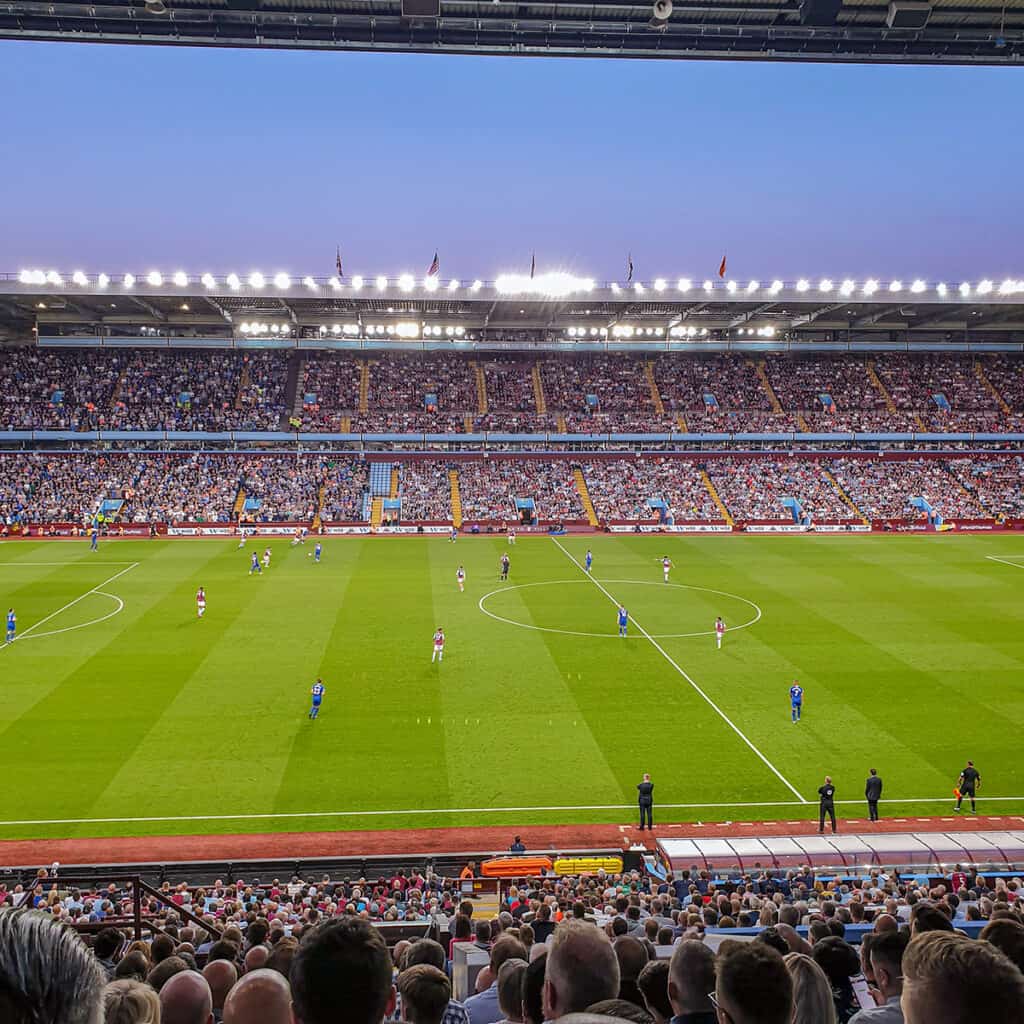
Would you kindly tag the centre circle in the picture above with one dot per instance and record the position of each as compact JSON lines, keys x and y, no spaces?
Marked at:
{"x":752,"y":610}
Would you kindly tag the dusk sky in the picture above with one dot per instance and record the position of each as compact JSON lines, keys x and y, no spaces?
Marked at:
{"x":116,"y":158}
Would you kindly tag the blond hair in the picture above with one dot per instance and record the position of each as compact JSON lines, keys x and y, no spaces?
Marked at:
{"x":812,"y":994}
{"x":130,"y":1002}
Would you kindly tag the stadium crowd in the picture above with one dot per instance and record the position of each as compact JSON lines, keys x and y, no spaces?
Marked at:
{"x":214,"y":389}
{"x":703,"y":947}
{"x":69,"y":487}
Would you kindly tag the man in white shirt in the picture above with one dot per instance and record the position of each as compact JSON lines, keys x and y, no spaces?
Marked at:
{"x":886,"y":965}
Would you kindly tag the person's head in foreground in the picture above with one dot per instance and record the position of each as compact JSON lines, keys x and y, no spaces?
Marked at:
{"x":582,"y":969}
{"x":754,"y":987}
{"x":950,"y":979}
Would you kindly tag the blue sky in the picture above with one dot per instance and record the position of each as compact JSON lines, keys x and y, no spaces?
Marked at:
{"x":127,"y":158}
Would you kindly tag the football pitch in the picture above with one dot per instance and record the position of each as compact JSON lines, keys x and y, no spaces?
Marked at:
{"x":122,"y":713}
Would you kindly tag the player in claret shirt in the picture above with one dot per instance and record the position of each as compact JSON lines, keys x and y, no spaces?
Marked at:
{"x":200,"y":603}
{"x":719,"y":631}
{"x":438,"y":654}
{"x":460,"y":578}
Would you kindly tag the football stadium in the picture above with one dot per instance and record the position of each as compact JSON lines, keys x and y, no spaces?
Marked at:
{"x":633,"y":638}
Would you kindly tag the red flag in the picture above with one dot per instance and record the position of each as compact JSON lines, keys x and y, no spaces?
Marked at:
{"x":435,"y":267}
{"x":721,"y":268}
{"x":533,"y":264}
{"x":337,"y":262}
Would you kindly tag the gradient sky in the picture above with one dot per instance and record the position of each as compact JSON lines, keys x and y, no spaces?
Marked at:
{"x":116,"y":158}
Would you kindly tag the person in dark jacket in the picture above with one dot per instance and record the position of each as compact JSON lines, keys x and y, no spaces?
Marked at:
{"x":646,"y":801}
{"x":826,"y":804}
{"x":873,"y":793}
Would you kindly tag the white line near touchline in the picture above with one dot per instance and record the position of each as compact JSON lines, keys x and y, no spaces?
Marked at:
{"x":71,"y":604}
{"x":1006,"y":561}
{"x":661,"y":650}
{"x":406,"y":812}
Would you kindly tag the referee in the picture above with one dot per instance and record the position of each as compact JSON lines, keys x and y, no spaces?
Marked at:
{"x":967,"y":785}
{"x":826,"y":804}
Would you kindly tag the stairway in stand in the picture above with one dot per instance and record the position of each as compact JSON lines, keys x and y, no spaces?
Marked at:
{"x":766,"y":386}
{"x":538,"y":390}
{"x":979,"y":372}
{"x":456,"y":498}
{"x":364,"y":386}
{"x":376,"y":512}
{"x":713,"y":491}
{"x":845,"y":498}
{"x":481,"y":389}
{"x":317,"y":519}
{"x":584,"y":492}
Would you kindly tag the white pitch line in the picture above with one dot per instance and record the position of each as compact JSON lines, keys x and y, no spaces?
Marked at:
{"x":416,"y":811}
{"x":1005,"y":561}
{"x":661,"y":650}
{"x":77,"y":561}
{"x":71,"y":604}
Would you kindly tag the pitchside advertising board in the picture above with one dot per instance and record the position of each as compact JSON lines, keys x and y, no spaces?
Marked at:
{"x":686,"y":528}
{"x":817,"y":528}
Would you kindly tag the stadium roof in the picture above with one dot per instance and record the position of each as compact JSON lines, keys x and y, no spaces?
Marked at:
{"x":514,"y":308}
{"x":903,"y":31}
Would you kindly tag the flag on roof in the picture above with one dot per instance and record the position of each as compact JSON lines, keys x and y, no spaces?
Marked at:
{"x":533,"y":264}
{"x":629,"y":268}
{"x":337,"y":262}
{"x":435,"y":267}
{"x":721,"y":268}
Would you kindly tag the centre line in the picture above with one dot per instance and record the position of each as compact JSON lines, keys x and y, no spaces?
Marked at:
{"x":668,"y":657}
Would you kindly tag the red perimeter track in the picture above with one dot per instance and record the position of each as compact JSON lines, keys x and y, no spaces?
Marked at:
{"x":398,"y":842}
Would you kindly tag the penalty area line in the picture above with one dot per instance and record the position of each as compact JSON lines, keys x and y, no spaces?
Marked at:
{"x":71,"y":604}
{"x":682,"y":672}
{"x":419,"y":811}
{"x":1006,"y":561}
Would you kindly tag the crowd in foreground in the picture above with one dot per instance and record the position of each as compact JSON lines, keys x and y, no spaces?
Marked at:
{"x":310,"y":953}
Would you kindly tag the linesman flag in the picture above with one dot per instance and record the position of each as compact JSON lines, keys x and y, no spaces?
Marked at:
{"x":337,"y":262}
{"x":629,"y":268}
{"x":435,"y":267}
{"x":721,"y":268}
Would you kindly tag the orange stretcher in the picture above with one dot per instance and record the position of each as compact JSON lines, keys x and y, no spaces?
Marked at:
{"x":515,"y":867}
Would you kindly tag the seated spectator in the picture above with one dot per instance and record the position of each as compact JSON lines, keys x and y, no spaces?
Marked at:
{"x":886,"y":964}
{"x":653,"y":985}
{"x":622,"y":1009}
{"x":581,"y":969}
{"x":483,"y":1008}
{"x":132,"y":967}
{"x":130,"y":1002}
{"x":812,"y":994}
{"x":221,"y":976}
{"x":1008,"y":937}
{"x":425,"y":993}
{"x":342,"y":971}
{"x":510,"y":990}
{"x":164,"y":971}
{"x":186,"y":999}
{"x":950,"y":979}
{"x":840,"y":963}
{"x":691,"y":982}
{"x":533,"y":987}
{"x":632,"y":956}
{"x":260,"y":997}
{"x":754,"y":987}
{"x":47,"y":975}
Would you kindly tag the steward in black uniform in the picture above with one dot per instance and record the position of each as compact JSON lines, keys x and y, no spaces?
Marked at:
{"x":646,"y":801}
{"x":826,"y":804}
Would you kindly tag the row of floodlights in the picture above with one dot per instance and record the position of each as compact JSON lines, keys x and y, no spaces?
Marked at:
{"x":403,"y":329}
{"x":679,"y":331}
{"x":550,"y":285}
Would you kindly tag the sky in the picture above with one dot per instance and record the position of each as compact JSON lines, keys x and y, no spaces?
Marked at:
{"x":118,"y":158}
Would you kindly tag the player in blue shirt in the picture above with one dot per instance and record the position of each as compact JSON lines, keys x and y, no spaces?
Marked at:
{"x":254,"y":565}
{"x":12,"y":625}
{"x":318,"y":696}
{"x":94,"y":538}
{"x":589,"y":559}
{"x":623,"y":620}
{"x":796,"y":700}
{"x":316,"y":552}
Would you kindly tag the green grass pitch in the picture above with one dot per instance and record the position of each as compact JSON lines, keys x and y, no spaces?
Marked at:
{"x":910,"y":650}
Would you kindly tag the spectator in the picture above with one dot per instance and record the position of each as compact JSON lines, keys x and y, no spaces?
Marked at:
{"x":164,"y":971}
{"x":533,"y":988}
{"x":342,"y":971}
{"x":106,"y":947}
{"x":581,"y":969}
{"x":840,"y":963}
{"x":1008,"y":937}
{"x":691,"y":980}
{"x":130,"y":1002}
{"x":47,"y":976}
{"x":622,"y":1009}
{"x":812,"y":994}
{"x":260,"y":997}
{"x":425,"y":992}
{"x":427,"y":951}
{"x":221,"y":976}
{"x":653,"y":984}
{"x":950,"y":979}
{"x":754,"y":987}
{"x":132,"y":967}
{"x":886,"y":958}
{"x":510,"y":990}
{"x":483,"y":1008}
{"x":632,"y":956}
{"x":186,"y":999}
